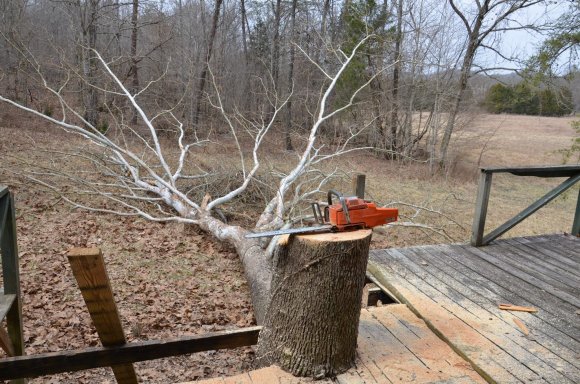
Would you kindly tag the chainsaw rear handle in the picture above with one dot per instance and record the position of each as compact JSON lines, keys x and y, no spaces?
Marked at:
{"x":319,"y":218}
{"x":342,"y":202}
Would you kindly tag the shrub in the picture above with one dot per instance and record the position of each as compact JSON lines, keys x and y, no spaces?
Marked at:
{"x":524,"y":100}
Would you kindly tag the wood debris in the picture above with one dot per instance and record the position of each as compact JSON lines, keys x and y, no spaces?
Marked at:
{"x":511,"y":307}
{"x":522,"y":326}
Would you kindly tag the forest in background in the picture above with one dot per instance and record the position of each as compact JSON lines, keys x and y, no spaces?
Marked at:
{"x":426,"y":62}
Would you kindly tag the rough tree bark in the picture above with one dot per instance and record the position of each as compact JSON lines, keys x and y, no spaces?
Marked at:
{"x":311,"y":325}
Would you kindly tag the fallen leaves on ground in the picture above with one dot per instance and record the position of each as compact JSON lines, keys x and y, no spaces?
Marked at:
{"x":168,"y":281}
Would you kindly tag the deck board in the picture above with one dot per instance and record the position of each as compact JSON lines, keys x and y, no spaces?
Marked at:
{"x":456,"y":290}
{"x":547,"y":256}
{"x":394,"y":346}
{"x":487,"y":298}
{"x":449,"y":328}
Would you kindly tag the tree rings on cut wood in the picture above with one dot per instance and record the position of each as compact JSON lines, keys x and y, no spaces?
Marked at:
{"x":311,"y":325}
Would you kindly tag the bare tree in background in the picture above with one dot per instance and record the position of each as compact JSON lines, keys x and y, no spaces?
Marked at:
{"x":134,"y":71}
{"x":288,"y":130}
{"x":205,"y":65}
{"x":490,"y":17}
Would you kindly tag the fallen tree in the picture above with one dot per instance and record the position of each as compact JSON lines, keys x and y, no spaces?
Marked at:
{"x":140,"y":173}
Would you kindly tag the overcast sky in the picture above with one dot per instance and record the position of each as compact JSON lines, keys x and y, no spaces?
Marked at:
{"x":524,"y":43}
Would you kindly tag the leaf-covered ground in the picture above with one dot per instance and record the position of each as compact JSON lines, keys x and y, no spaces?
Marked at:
{"x":168,"y":281}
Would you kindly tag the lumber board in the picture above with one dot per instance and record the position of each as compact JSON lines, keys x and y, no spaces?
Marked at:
{"x":394,"y":346}
{"x":10,"y":271}
{"x":437,"y":356}
{"x":392,"y":359}
{"x":5,"y":343}
{"x":562,"y":280}
{"x":90,"y":273}
{"x":497,"y":325}
{"x":484,"y":275}
{"x":96,"y":357}
{"x":243,"y":378}
{"x":369,"y":354}
{"x":358,"y":185}
{"x":481,"y":206}
{"x":575,"y":230}
{"x":557,"y":238}
{"x":569,"y":250}
{"x":537,"y":171}
{"x":522,"y":289}
{"x":272,"y":374}
{"x":486,"y":324}
{"x":544,"y":257}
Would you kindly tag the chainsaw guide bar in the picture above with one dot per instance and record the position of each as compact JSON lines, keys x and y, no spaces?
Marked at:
{"x":291,"y":231}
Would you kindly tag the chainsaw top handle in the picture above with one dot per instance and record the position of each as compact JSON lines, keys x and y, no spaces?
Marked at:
{"x":342,"y":202}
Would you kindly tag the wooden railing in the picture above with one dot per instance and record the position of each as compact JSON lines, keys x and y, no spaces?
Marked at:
{"x":572,"y":172}
{"x":95,"y":357}
{"x":10,"y":299}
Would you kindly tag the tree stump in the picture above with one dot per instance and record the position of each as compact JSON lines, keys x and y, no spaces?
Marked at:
{"x":311,"y":325}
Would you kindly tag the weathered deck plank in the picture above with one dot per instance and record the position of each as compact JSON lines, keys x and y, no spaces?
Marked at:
{"x":552,"y":255}
{"x":561,"y":314}
{"x":456,"y":290}
{"x":460,"y":278}
{"x":456,"y":306}
{"x":501,"y":322}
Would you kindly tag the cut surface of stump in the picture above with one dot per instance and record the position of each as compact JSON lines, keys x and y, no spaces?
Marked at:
{"x":311,"y":325}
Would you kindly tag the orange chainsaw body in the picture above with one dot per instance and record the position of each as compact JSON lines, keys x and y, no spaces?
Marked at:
{"x":362,"y":213}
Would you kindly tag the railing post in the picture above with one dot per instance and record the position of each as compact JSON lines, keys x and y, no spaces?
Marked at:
{"x":576,"y":223}
{"x":481,"y":208}
{"x":358,"y":185}
{"x":10,"y":271}
{"x":89,"y":270}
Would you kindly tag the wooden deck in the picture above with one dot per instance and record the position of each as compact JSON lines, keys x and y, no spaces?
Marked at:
{"x":449,"y":328}
{"x":394,"y":346}
{"x":456,"y":289}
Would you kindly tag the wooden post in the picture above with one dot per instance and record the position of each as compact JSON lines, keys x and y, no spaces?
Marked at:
{"x":358,"y":185}
{"x":11,"y":274}
{"x":89,"y":270}
{"x":481,"y":208}
{"x":576,"y":223}
{"x":311,"y":325}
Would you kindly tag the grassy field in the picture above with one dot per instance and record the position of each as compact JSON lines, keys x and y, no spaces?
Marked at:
{"x":489,"y":141}
{"x":170,"y":280}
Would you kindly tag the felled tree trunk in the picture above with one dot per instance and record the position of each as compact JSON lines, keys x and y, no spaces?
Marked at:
{"x":311,"y":325}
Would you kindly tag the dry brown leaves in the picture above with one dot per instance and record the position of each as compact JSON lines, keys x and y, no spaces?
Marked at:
{"x":168,"y":282}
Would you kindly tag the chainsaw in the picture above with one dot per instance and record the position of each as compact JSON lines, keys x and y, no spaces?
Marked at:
{"x":348,"y":214}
